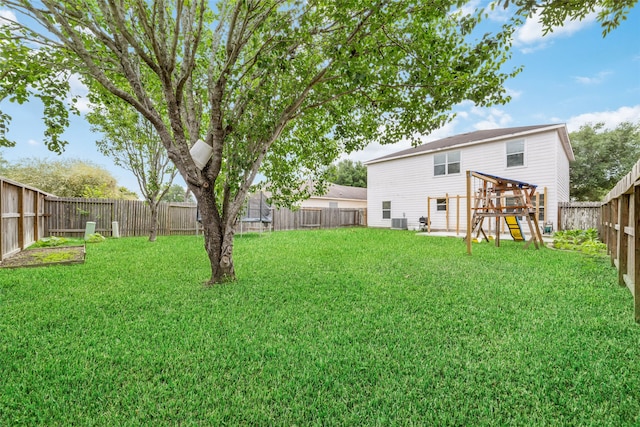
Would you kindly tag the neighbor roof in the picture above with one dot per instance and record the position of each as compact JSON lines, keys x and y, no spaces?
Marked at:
{"x":477,"y":137}
{"x":336,"y":191}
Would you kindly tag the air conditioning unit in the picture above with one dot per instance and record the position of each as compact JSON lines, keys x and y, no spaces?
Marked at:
{"x":398,"y":223}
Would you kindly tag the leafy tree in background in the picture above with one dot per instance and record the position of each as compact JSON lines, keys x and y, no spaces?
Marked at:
{"x":65,"y":178}
{"x":603,"y":157}
{"x":178,"y":193}
{"x":3,"y":163}
{"x":555,"y":13}
{"x":349,"y":173}
{"x":132,"y":143}
{"x":41,"y":73}
{"x":282,"y":87}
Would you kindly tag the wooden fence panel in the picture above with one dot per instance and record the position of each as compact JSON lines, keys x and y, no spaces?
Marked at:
{"x":69,"y":216}
{"x":305,"y":218}
{"x":10,"y":219}
{"x":620,"y":230}
{"x":579,"y":215}
{"x":181,"y":219}
{"x":21,"y":217}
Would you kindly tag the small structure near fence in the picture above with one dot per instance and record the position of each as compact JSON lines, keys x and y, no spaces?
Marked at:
{"x":621,"y":232}
{"x":22,"y":216}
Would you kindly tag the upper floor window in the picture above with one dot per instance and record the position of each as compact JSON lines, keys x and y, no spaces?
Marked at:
{"x":515,"y":153}
{"x":446,"y":163}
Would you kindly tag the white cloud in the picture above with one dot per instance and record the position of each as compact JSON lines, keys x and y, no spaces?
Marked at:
{"x":7,"y":16}
{"x":492,"y":118}
{"x":611,"y":119}
{"x":514,"y":94}
{"x":80,"y":91}
{"x":33,"y":142}
{"x":470,"y":7}
{"x":499,"y":13}
{"x":598,"y":78}
{"x":530,"y":35}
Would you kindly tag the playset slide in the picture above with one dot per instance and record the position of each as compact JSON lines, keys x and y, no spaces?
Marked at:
{"x":514,"y":228}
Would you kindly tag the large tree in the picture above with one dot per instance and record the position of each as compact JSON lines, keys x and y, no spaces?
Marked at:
{"x":178,"y":193}
{"x":603,"y":157}
{"x":133,"y":143}
{"x":346,"y":172}
{"x":281,"y":86}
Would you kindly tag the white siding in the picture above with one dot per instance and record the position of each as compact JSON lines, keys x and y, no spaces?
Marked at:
{"x":563,"y":175}
{"x":325,"y":202}
{"x":407,"y":182}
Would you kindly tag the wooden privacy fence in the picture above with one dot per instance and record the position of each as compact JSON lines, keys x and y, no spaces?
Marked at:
{"x":286,"y":219}
{"x":579,"y":215}
{"x":69,"y":216}
{"x":21,"y":216}
{"x":621,"y":232}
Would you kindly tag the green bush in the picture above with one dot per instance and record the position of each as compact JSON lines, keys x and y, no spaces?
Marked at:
{"x":95,"y":238}
{"x":585,"y":241}
{"x":49,"y":242}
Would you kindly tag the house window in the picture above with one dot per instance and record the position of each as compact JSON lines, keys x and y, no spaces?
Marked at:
{"x":538,"y":202}
{"x":386,"y":210}
{"x":446,"y":163}
{"x":510,"y":201}
{"x":515,"y":153}
{"x":441,"y":204}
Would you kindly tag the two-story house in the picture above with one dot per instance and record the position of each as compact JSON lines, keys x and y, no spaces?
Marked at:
{"x":403,"y":184}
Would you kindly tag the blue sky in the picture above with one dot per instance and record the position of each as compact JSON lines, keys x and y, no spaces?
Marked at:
{"x":572,"y":76}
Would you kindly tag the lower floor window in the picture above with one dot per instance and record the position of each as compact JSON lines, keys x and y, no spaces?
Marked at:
{"x":386,"y":210}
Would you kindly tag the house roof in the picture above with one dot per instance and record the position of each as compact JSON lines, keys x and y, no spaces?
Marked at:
{"x":335,"y":191}
{"x":478,"y":137}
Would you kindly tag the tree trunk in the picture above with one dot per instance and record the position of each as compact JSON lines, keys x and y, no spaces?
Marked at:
{"x":218,"y":241}
{"x":153,"y":232}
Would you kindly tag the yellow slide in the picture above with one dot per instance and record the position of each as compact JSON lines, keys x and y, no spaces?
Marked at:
{"x":514,"y":228}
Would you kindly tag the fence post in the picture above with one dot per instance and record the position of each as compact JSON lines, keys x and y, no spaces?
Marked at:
{"x":636,"y":248}
{"x":623,"y":241}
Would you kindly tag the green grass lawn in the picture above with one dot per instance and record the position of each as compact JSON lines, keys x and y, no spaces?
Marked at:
{"x":337,"y":327}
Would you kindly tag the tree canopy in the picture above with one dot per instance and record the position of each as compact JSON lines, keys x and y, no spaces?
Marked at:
{"x":349,"y":173}
{"x":66,"y":178}
{"x":177,"y":193}
{"x":602,"y":158}
{"x":554,"y":13}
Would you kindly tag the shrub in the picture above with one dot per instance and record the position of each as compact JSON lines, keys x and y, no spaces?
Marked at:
{"x":95,"y":238}
{"x":585,"y":241}
{"x":48,"y":242}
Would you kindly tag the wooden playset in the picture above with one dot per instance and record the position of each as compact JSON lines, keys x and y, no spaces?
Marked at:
{"x":492,"y":197}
